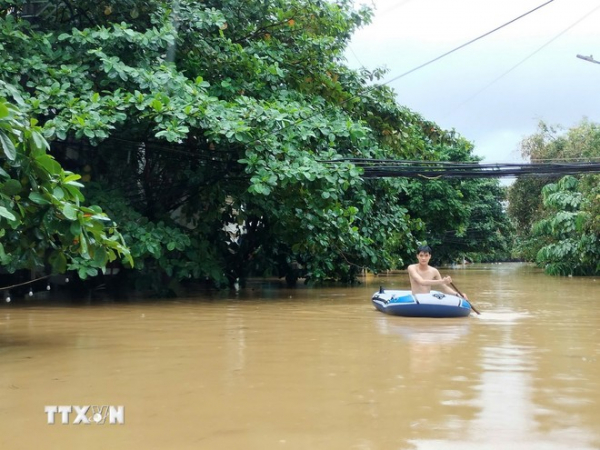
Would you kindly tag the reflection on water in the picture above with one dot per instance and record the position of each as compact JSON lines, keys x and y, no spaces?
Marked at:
{"x":270,"y":368}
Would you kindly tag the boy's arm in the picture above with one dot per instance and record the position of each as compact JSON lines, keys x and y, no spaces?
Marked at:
{"x":437,"y":280}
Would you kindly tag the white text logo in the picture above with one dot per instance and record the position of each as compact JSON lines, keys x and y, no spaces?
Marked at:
{"x":91,"y":414}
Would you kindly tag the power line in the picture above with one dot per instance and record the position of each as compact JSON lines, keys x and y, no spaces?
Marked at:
{"x":445,"y":169}
{"x":468,"y":43}
{"x":356,"y":56}
{"x":526,"y":58}
{"x":578,"y":159}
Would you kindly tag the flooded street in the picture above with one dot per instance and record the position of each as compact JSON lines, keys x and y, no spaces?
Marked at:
{"x":312,"y":368}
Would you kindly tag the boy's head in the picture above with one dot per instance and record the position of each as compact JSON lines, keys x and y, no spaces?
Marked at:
{"x":424,"y":249}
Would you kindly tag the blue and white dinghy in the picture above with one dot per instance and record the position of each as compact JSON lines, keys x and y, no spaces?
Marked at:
{"x":434,"y":304}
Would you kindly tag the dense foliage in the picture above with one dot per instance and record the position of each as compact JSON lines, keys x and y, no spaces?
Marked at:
{"x":207,"y":131}
{"x":558,"y":218}
{"x":42,"y":217}
{"x":570,"y":239}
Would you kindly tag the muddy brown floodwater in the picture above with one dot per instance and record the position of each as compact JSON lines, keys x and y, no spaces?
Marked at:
{"x":310,"y":368}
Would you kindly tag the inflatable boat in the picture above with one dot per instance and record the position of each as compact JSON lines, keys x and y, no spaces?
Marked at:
{"x":434,"y":304}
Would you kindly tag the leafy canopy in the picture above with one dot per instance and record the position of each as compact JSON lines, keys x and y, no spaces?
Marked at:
{"x":204,"y":129}
{"x":43,"y":220}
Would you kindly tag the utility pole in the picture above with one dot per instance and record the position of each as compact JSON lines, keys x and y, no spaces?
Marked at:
{"x":588,"y":58}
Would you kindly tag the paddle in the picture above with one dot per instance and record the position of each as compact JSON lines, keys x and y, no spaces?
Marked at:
{"x":463,"y":296}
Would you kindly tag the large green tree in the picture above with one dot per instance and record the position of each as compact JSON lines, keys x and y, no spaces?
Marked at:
{"x":557,"y":218}
{"x":569,"y":233}
{"x":207,"y":129}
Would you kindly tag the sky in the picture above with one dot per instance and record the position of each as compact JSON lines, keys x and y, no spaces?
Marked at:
{"x":494,"y":91}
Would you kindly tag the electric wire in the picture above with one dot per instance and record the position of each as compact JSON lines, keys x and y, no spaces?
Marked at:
{"x":495,"y":80}
{"x":444,"y":169}
{"x":468,"y":43}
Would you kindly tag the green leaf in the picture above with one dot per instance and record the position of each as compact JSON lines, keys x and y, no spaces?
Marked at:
{"x":69,"y":211}
{"x":58,"y":262}
{"x":83,"y":246}
{"x":7,"y":214}
{"x":7,"y":146}
{"x":71,"y":177}
{"x":39,"y":143}
{"x":100,"y":257}
{"x":75,"y":228}
{"x":49,"y":164}
{"x":4,"y":111}
{"x":38,"y":198}
{"x":11,"y":187}
{"x":73,"y":191}
{"x":58,"y":193}
{"x":74,"y":183}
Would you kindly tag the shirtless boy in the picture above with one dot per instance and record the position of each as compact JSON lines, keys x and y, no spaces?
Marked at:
{"x":423,"y":277}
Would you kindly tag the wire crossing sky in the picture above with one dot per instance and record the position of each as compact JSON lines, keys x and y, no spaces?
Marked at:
{"x":468,"y":43}
{"x":529,"y":56}
{"x":495,"y":90}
